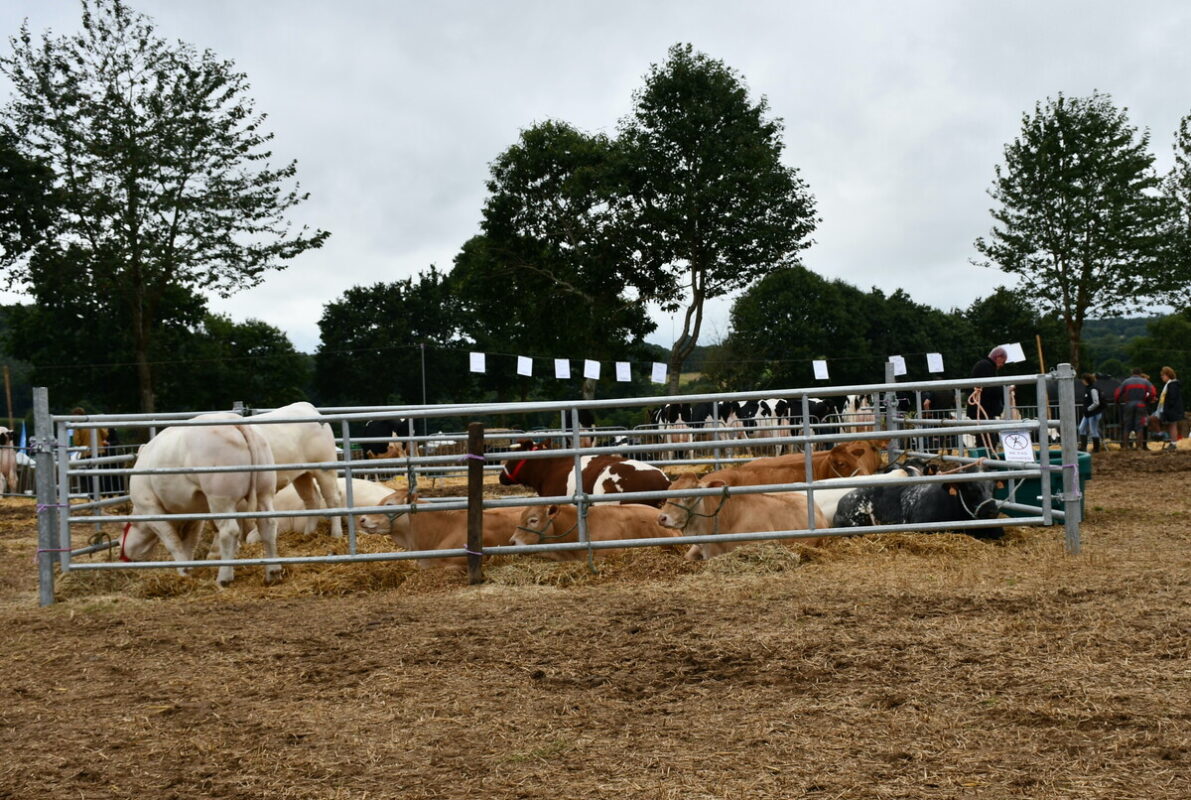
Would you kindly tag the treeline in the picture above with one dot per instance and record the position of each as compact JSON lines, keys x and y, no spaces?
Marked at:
{"x":404,"y":342}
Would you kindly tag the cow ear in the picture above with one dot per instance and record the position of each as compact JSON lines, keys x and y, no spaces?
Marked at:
{"x":714,"y":484}
{"x":857,"y":451}
{"x":552,"y":511}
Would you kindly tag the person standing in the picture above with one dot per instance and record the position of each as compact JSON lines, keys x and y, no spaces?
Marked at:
{"x":1134,"y":395}
{"x":1170,"y":406}
{"x":1093,"y":409}
{"x":988,"y":402}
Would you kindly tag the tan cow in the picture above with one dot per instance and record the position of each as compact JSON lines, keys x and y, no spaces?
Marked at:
{"x":739,"y":513}
{"x":842,"y":461}
{"x":605,"y":523}
{"x":427,"y":529}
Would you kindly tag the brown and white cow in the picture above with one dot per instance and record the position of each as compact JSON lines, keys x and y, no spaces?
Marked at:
{"x":605,"y":523}
{"x":711,"y":515}
{"x":605,"y":474}
{"x":429,"y":529}
{"x":842,"y":461}
{"x":308,"y":442}
{"x":200,"y":493}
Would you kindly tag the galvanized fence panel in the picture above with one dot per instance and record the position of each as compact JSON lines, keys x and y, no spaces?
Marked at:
{"x":912,"y":433}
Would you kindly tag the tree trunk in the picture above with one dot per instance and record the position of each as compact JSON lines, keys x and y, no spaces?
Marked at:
{"x":144,"y":370}
{"x":1074,"y":335}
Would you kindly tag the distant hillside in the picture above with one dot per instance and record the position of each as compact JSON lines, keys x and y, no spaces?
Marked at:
{"x":1106,"y":339}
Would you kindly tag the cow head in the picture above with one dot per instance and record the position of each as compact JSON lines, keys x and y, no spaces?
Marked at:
{"x":510,"y":474}
{"x":536,"y":525}
{"x":382,"y":523}
{"x":976,"y":497}
{"x":136,"y":542}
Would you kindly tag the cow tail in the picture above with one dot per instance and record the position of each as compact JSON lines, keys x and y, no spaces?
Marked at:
{"x":255,"y":458}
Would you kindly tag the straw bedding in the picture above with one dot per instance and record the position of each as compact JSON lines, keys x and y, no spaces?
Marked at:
{"x":901,"y":666}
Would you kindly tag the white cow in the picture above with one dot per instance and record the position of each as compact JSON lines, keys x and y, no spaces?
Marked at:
{"x":8,"y":462}
{"x":304,"y":443}
{"x":364,"y":493}
{"x":200,"y":493}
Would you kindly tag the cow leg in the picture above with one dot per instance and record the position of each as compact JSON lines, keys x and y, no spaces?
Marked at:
{"x":267,"y":526}
{"x":329,"y":488}
{"x":227,"y":533}
{"x":304,"y":486}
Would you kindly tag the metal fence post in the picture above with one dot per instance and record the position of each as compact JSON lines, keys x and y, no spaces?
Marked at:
{"x":475,"y":503}
{"x":47,"y":512}
{"x":1070,"y":466}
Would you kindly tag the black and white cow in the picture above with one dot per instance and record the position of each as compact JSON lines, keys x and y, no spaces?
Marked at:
{"x":668,"y":417}
{"x":396,"y":431}
{"x":907,"y":504}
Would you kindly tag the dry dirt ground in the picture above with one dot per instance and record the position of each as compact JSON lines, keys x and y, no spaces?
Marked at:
{"x":903,"y":666}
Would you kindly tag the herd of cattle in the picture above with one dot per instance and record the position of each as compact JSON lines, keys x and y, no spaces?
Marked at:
{"x":293,"y":438}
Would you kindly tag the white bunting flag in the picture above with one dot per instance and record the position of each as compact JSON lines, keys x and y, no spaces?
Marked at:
{"x":659,"y":373}
{"x":524,"y":365}
{"x":821,"y":370}
{"x":934,"y":362}
{"x":622,"y":371}
{"x":562,"y":368}
{"x":477,"y":362}
{"x":1014,"y":353}
{"x":899,"y":365}
{"x":591,"y":369}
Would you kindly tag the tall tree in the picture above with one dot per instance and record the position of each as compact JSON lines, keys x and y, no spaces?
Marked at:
{"x":1080,"y":220}
{"x":711,"y":206}
{"x":27,"y":200}
{"x":551,"y":241}
{"x":161,"y":164}
{"x":1178,"y":189}
{"x":374,"y":339}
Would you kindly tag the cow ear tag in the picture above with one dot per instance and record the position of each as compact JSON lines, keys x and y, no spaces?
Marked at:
{"x":951,"y":490}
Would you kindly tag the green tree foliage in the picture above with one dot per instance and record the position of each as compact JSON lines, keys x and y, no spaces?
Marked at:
{"x":161,"y":166}
{"x":373,"y":339}
{"x":1006,"y":316}
{"x":79,"y":346}
{"x":1178,"y":189}
{"x":1167,"y":343}
{"x":551,"y":246}
{"x":27,"y":200}
{"x":710,"y":207}
{"x":1080,"y":221}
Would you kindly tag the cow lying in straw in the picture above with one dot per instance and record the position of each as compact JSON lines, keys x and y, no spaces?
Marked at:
{"x":705,"y":515}
{"x":605,"y":523}
{"x":427,"y":528}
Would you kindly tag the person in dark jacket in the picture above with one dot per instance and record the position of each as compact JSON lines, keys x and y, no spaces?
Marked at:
{"x":1170,"y":406}
{"x":1134,"y":396}
{"x":989,"y":402}
{"x":1093,"y":409}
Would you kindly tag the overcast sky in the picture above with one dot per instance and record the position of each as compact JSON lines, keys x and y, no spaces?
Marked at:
{"x":895,"y":114}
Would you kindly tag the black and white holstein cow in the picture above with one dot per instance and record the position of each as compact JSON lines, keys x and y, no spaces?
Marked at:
{"x":202,"y":493}
{"x":395,"y":431}
{"x":670,"y":417}
{"x":908,"y":504}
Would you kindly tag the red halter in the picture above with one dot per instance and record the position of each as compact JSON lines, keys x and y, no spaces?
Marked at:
{"x":516,"y":470}
{"x":123,"y":536}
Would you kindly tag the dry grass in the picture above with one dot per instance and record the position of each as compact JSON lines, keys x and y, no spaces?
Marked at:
{"x":903,"y":666}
